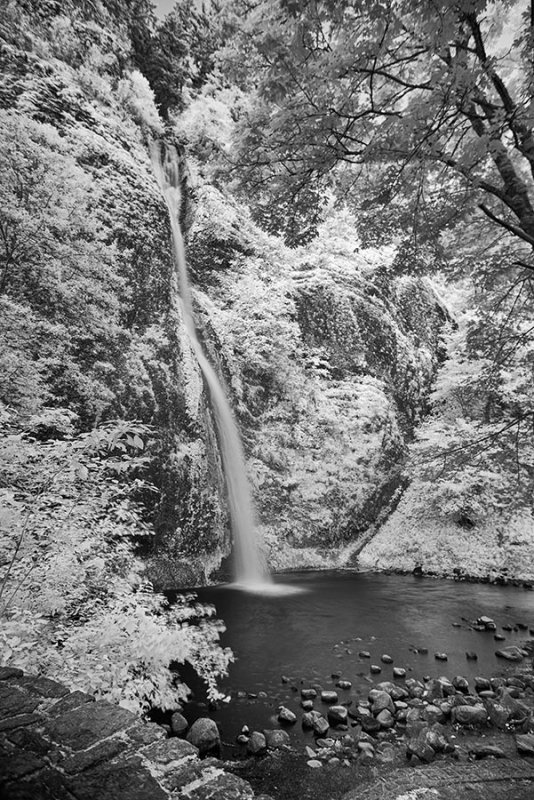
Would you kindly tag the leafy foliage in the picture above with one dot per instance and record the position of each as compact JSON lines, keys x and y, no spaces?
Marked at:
{"x":399,"y":99}
{"x":73,"y":599}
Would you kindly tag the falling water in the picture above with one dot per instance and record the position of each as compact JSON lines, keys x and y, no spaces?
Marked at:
{"x":250,"y":568}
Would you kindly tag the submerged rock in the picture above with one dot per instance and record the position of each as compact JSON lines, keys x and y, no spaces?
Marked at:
{"x":511,"y":653}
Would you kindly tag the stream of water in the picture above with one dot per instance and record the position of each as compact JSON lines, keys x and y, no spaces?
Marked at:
{"x":250,"y":568}
{"x":308,"y":636}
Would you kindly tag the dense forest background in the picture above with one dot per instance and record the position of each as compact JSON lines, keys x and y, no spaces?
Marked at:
{"x":359,"y":226}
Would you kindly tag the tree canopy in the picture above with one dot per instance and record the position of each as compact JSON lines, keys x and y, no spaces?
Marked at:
{"x":422,"y":102}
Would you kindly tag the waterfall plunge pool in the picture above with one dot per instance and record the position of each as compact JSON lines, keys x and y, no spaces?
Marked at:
{"x":283,"y":642}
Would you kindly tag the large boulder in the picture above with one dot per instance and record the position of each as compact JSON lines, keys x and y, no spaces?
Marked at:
{"x":205,"y":735}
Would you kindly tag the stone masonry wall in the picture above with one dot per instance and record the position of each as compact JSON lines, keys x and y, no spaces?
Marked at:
{"x":61,"y":745}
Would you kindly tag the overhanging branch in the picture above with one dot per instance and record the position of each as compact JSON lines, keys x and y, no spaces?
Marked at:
{"x":513,"y":229}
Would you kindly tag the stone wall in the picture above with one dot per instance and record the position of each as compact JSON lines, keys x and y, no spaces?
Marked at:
{"x":61,"y":745}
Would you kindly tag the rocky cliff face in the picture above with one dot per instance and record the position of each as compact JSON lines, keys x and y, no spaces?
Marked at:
{"x":326,"y":354}
{"x":91,"y":321}
{"x":329,"y":358}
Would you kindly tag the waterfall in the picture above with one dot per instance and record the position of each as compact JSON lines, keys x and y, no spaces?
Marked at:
{"x":250,"y":568}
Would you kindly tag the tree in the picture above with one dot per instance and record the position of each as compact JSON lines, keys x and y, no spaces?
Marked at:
{"x":429,"y":102}
{"x":180,"y":55}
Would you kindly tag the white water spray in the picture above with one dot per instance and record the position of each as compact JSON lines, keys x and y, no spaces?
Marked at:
{"x":250,"y":569}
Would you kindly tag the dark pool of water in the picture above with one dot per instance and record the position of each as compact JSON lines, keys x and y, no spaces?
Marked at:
{"x":310,"y":635}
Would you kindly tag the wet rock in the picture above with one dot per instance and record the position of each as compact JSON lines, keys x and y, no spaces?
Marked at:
{"x":440,"y":656}
{"x":515,"y":681}
{"x":525,"y":744}
{"x":479,"y":751}
{"x":414,"y":687}
{"x":364,"y":654}
{"x":286,"y":715}
{"x":342,"y":684}
{"x":369,"y":723}
{"x":205,"y":735}
{"x":380,"y":701}
{"x":385,"y":753}
{"x":419,"y":746}
{"x":308,"y":694}
{"x":257,"y":743}
{"x":366,"y":749}
{"x":434,"y":690}
{"x":314,"y":763}
{"x":386,"y":659}
{"x":242,"y":738}
{"x":329,"y":696}
{"x":482,"y":684}
{"x":374,"y":669}
{"x":511,"y":653}
{"x":461,"y":684}
{"x":518,"y":711}
{"x":471,"y":655}
{"x":337,"y":715}
{"x":432,"y":714}
{"x":499,"y":637}
{"x":179,"y":724}
{"x":315,"y":721}
{"x":487,"y":623}
{"x":469,"y":715}
{"x":276,"y":739}
{"x":385,"y":718}
{"x":306,"y":705}
{"x":437,"y":739}
{"x":498,"y":715}
{"x":399,"y":672}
